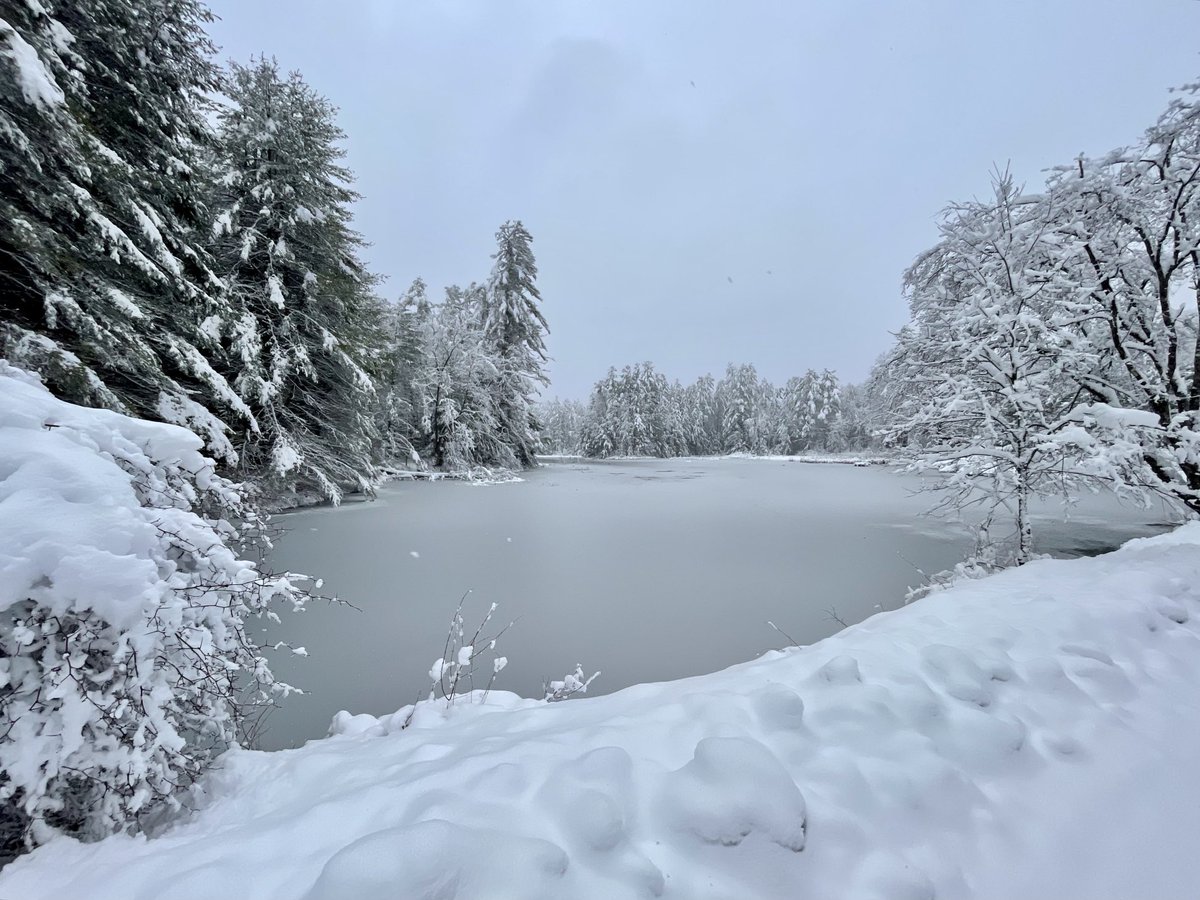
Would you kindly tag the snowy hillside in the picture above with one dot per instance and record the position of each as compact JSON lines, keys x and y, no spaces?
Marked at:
{"x":1030,"y":735}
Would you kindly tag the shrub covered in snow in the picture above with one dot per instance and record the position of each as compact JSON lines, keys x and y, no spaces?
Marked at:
{"x":125,"y":662}
{"x":569,"y":685}
{"x":453,"y":673}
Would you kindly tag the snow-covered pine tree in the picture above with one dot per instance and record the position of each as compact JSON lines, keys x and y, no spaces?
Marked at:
{"x":458,"y":382}
{"x":674,"y":411}
{"x":309,"y":324}
{"x":106,"y":291}
{"x":826,"y":409}
{"x":514,"y":324}
{"x":764,"y":429}
{"x":629,"y":403}
{"x":738,"y":395}
{"x":795,"y":413}
{"x":701,"y":417}
{"x":809,"y":408}
{"x":636,"y":400}
{"x":561,"y":423}
{"x":658,"y":405}
{"x":852,"y":431}
{"x":635,"y":412}
{"x":598,"y":430}
{"x":401,"y":404}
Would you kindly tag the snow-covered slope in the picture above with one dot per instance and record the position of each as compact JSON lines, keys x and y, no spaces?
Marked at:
{"x":1033,"y":735}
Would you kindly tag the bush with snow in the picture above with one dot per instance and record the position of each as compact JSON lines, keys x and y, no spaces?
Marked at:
{"x":453,"y":673}
{"x":125,"y":662}
{"x":569,"y":685}
{"x":465,"y":657}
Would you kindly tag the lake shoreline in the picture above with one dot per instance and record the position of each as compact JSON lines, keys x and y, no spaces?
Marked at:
{"x":699,"y":554}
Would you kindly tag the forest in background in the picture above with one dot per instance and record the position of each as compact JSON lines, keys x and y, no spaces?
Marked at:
{"x":637,"y":411}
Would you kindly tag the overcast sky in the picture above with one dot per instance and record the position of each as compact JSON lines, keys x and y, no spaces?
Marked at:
{"x":714,"y":181}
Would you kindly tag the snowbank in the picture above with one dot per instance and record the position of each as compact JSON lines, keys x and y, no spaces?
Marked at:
{"x":1033,"y":734}
{"x":125,"y":663}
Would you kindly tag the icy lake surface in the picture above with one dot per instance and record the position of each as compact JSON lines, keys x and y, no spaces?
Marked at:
{"x":645,"y":570}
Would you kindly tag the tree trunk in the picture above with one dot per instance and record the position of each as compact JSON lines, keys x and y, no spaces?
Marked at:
{"x":1024,"y":526}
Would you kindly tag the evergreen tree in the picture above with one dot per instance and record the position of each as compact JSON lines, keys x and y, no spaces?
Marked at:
{"x":309,"y":323}
{"x":810,"y":408}
{"x":825,"y":403}
{"x":106,"y":291}
{"x":738,"y":394}
{"x":795,"y":418}
{"x":514,"y":323}
{"x":401,"y":403}
{"x":458,"y":383}
{"x":562,"y":421}
{"x":598,"y":431}
{"x":638,"y":412}
{"x":763,"y":422}
{"x":634,"y":413}
{"x":853,"y":431}
{"x":701,"y":416}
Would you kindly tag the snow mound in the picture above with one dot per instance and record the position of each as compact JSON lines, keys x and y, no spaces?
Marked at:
{"x":1029,"y":734}
{"x":125,"y":666}
{"x":72,"y":521}
{"x":435,"y":858}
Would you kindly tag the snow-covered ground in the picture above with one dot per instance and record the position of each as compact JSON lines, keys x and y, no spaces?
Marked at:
{"x":1030,"y":735}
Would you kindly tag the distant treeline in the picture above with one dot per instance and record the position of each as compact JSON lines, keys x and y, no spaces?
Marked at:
{"x":637,"y":411}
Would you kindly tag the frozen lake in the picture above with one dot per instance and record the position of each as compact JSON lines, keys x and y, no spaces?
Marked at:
{"x":646,"y":570}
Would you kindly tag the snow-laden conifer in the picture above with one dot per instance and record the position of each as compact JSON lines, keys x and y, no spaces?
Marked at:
{"x":514,"y":323}
{"x":634,"y":412}
{"x":303,"y":347}
{"x":107,"y":291}
{"x":400,"y":371}
{"x":739,"y":396}
{"x":562,"y":421}
{"x":458,"y":385}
